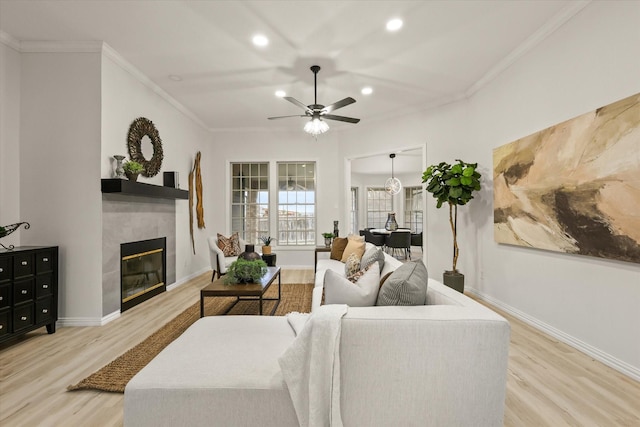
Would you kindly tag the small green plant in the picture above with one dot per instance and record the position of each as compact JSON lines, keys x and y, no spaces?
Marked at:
{"x":244,"y":271}
{"x":266,"y":240}
{"x":132,"y":166}
{"x":327,"y":235}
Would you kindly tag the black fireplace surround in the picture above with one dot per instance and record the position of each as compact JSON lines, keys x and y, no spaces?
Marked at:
{"x":143,"y":271}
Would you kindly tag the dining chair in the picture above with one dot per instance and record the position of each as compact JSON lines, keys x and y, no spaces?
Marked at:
{"x":399,"y":241}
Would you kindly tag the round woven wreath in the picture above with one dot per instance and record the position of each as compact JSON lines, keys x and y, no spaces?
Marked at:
{"x":138,"y":129}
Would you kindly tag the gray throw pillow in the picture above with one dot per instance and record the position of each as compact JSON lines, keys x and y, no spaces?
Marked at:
{"x":406,"y":286}
{"x":372,"y":255}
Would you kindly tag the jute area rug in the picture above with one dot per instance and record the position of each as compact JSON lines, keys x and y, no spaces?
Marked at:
{"x":114,"y":376}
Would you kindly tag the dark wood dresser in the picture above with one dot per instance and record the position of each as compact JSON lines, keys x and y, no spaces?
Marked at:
{"x":28,"y":290}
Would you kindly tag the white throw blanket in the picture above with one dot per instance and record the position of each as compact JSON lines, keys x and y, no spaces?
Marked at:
{"x":311,"y":367}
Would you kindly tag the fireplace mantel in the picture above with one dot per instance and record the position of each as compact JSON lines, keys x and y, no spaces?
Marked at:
{"x":124,"y":186}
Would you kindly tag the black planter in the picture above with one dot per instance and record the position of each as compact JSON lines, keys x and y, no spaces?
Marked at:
{"x":250,"y":253}
{"x":454,"y":280}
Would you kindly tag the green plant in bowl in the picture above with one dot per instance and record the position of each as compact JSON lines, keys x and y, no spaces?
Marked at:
{"x":244,"y":271}
{"x":132,"y":167}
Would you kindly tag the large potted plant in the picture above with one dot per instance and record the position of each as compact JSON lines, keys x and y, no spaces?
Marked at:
{"x":453,"y":185}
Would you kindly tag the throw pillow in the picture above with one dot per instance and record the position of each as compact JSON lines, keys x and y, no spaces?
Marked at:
{"x":337,"y":248}
{"x":352,"y":265}
{"x":353,"y":278}
{"x":406,"y":286}
{"x":230,"y":246}
{"x":372,"y":255}
{"x":363,"y":293}
{"x":355,"y":244}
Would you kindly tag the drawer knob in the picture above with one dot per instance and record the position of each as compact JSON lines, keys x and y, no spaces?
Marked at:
{"x":45,"y":310}
{"x":24,"y":263}
{"x":23,"y":292}
{"x":45,"y":259}
{"x":45,"y":286}
{"x":1,"y":326}
{"x":1,"y":270}
{"x":23,"y":318}
{"x":1,"y":298}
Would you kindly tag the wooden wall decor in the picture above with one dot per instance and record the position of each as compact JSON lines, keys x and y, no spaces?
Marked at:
{"x":199,"y":206}
{"x":574,"y":187}
{"x":140,"y":128}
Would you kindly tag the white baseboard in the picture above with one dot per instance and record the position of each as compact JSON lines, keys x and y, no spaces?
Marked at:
{"x":64,"y":322}
{"x":185,"y":279}
{"x":609,"y":360}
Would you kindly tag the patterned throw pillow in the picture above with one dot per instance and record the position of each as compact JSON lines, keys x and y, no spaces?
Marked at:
{"x":230,"y":246}
{"x":372,"y":255}
{"x":354,"y":244}
{"x":352,"y":265}
{"x":358,"y":274}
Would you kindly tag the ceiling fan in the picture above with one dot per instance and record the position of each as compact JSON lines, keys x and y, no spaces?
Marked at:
{"x":318,"y":112}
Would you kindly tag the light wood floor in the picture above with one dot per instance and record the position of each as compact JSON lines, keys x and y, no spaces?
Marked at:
{"x":549,"y":383}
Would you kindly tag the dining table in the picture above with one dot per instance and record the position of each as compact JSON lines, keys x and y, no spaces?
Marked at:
{"x":385,"y":231}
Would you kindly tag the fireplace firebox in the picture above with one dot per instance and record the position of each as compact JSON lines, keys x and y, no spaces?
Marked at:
{"x":143,"y":272}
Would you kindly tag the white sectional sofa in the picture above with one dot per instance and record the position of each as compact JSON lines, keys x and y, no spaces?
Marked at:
{"x":440,"y":364}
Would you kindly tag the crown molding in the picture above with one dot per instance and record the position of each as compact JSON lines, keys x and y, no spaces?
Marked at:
{"x":57,"y":46}
{"x":9,"y":41}
{"x":531,"y":42}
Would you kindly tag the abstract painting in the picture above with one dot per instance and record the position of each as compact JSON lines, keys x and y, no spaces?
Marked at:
{"x":573,"y":187}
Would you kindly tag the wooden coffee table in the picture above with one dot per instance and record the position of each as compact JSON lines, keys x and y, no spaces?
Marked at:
{"x":243,"y":291}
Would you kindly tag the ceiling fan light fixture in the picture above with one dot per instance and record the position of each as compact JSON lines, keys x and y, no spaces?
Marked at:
{"x":316,"y":127}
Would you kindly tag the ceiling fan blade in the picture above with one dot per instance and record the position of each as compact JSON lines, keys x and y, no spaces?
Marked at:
{"x":340,"y":118}
{"x":298,"y":103}
{"x":339,"y":104}
{"x":284,"y":117}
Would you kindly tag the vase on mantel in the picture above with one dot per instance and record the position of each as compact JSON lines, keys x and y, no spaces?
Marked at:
{"x":391,"y":224}
{"x":119,"y":168}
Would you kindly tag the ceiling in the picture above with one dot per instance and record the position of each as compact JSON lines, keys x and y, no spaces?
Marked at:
{"x":445,"y":51}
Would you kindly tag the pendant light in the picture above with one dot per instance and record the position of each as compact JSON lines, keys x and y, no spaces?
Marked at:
{"x":393,"y":185}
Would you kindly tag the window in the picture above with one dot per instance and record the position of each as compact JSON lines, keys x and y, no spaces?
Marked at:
{"x":354,"y":210}
{"x":250,"y":200}
{"x":413,"y":208}
{"x":379,"y":204}
{"x":296,"y":203}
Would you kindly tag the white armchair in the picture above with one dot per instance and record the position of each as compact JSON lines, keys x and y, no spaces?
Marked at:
{"x":220,"y":263}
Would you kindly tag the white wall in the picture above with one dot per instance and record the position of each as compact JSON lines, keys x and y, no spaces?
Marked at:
{"x":591,"y":303}
{"x":60,"y":173}
{"x":9,"y":141}
{"x":127,"y":95}
{"x":590,"y":62}
{"x":279,"y":146}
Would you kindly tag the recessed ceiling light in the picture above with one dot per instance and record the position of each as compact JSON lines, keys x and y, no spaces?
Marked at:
{"x":366,"y":90}
{"x":260,"y":40}
{"x":394,"y":24}
{"x":175,"y":78}
{"x":281,"y":93}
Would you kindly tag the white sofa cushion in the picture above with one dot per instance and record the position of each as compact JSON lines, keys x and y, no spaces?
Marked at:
{"x":207,"y":376}
{"x":363,"y":293}
{"x":405,"y":286}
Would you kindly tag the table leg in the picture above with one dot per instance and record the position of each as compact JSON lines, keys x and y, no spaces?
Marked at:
{"x":260,"y":305}
{"x":201,"y":305}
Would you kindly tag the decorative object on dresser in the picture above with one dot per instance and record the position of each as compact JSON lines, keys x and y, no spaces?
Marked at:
{"x":454,"y":185}
{"x":140,"y":128}
{"x":132,"y":169}
{"x":28,"y":290}
{"x":336,"y":232}
{"x":119,"y":170}
{"x":8,"y":229}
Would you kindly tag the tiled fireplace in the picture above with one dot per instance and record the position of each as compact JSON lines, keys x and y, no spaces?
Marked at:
{"x":142,"y":270}
{"x":132,"y":218}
